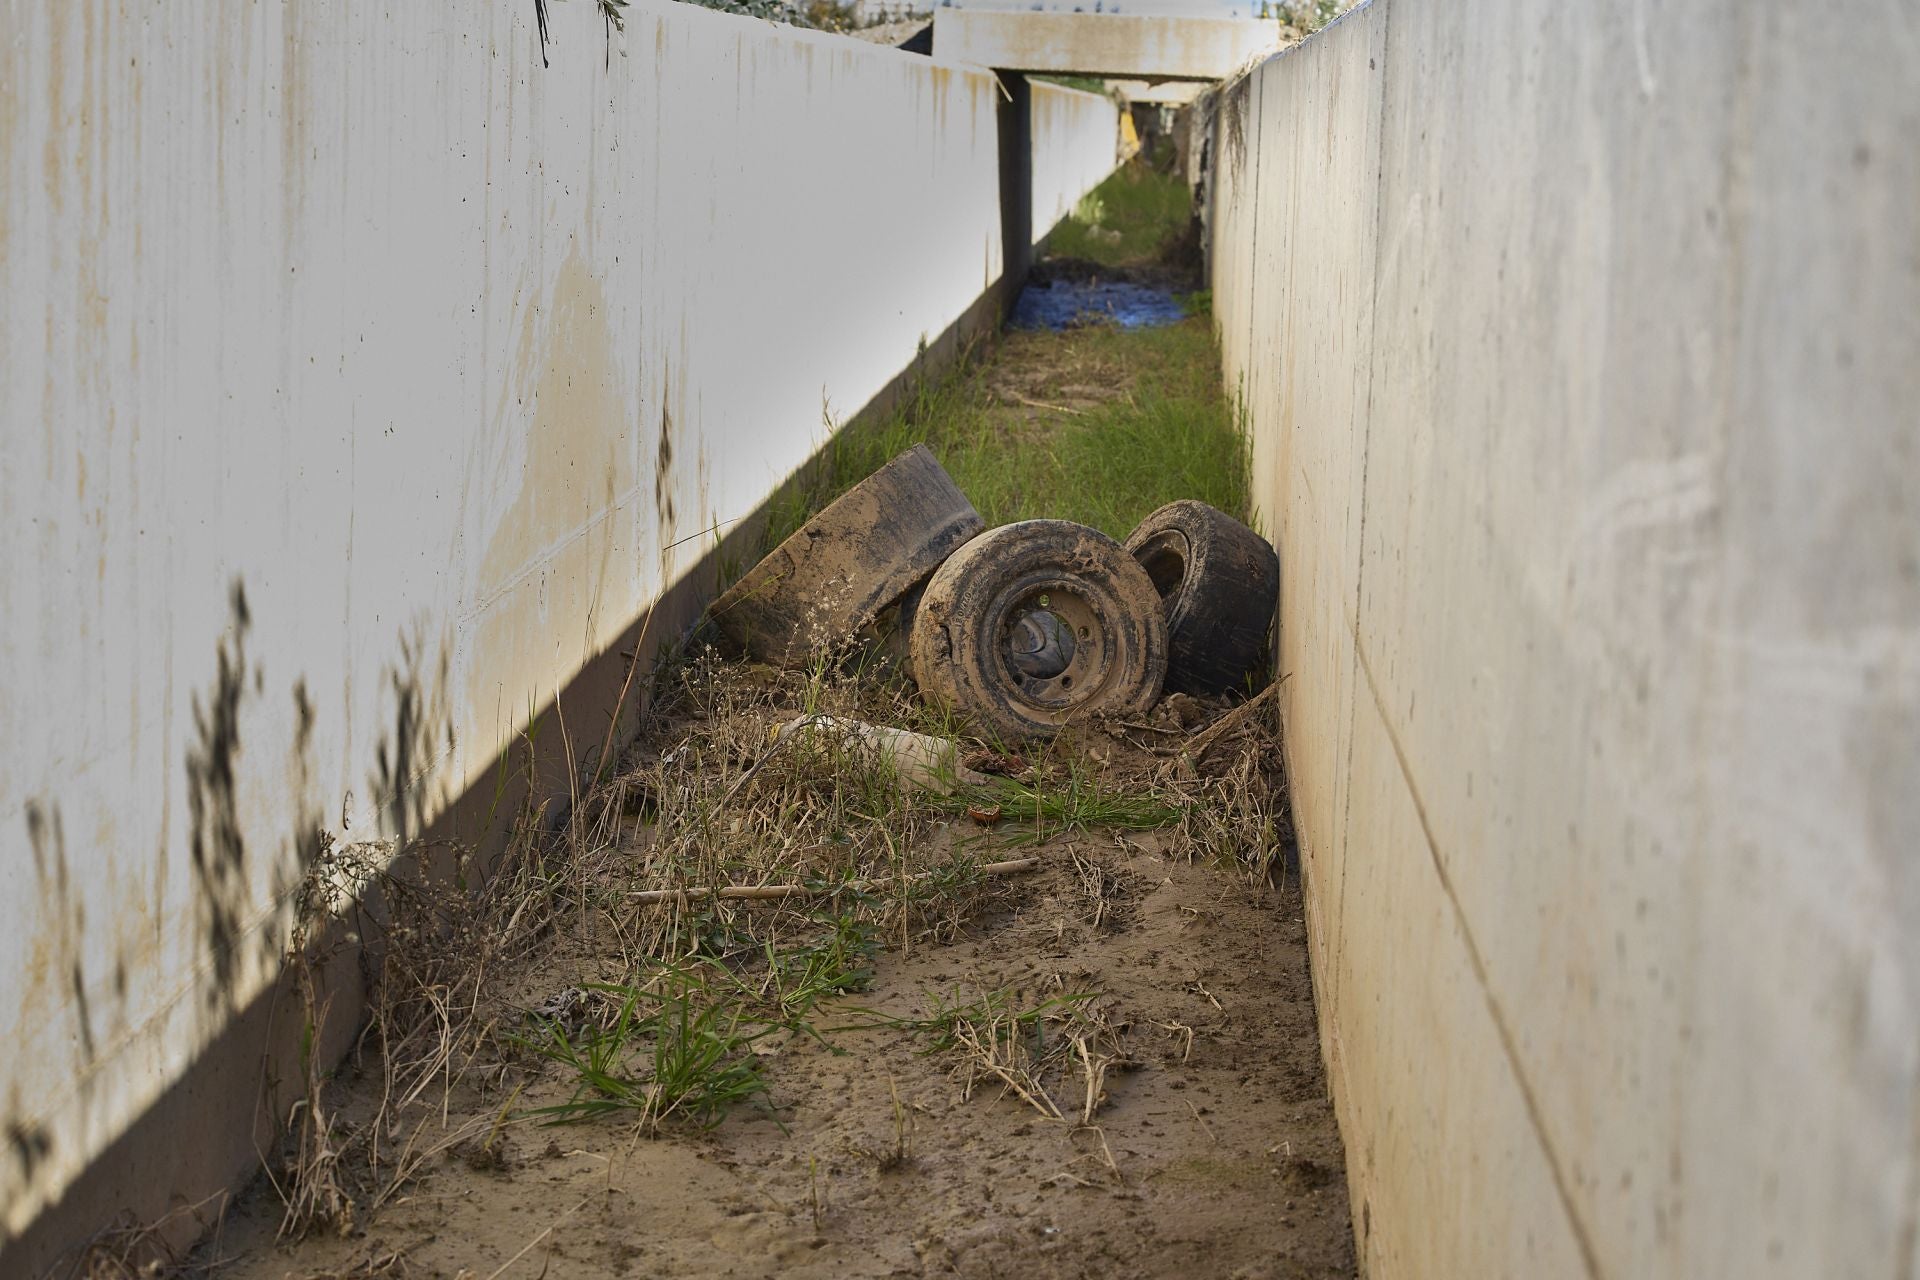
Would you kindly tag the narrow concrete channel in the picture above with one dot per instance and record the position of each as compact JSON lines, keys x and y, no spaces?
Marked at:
{"x":1070,"y":1036}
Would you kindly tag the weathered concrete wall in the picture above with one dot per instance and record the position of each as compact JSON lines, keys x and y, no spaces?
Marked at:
{"x":1076,"y":144}
{"x":1246,"y":10}
{"x":1166,"y":93}
{"x":1194,"y":47}
{"x":361,"y":380}
{"x":1579,"y":352}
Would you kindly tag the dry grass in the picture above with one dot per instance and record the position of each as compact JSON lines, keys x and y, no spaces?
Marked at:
{"x":827,"y":859}
{"x":664,"y":983}
{"x":899,"y":1153}
{"x":1061,"y":1045}
{"x":1229,"y":780}
{"x":130,"y":1250}
{"x":436,"y":930}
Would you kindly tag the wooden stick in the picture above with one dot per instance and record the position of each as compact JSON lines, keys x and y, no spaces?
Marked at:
{"x":772,"y":892}
{"x":1041,"y":404}
{"x":1202,"y":742}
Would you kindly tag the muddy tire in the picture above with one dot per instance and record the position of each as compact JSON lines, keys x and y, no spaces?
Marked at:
{"x":1219,"y":582}
{"x":833,"y":576}
{"x":1033,"y":625}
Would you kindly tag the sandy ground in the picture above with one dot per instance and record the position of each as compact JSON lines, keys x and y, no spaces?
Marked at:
{"x":1214,"y":1154}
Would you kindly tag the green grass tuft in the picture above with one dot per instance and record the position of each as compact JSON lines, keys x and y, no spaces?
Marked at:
{"x":798,"y":980}
{"x":1050,"y":447}
{"x":1036,"y":812}
{"x":947,"y":1017}
{"x":1086,"y":84}
{"x":700,"y":1060}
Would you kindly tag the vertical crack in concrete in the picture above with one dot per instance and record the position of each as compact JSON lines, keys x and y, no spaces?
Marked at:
{"x":1366,"y":454}
{"x":1508,"y":1044}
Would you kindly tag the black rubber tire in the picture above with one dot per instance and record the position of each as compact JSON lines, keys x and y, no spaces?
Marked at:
{"x":1070,"y":590}
{"x":887,"y":637}
{"x":827,"y":582}
{"x":1219,"y":582}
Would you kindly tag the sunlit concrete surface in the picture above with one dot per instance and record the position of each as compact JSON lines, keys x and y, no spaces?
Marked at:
{"x":1578,"y":347}
{"x":1190,"y":47}
{"x":1246,"y":9}
{"x":362,"y":379}
{"x":1076,"y":145}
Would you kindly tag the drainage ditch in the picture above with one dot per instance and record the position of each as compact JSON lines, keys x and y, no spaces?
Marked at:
{"x":823,"y":979}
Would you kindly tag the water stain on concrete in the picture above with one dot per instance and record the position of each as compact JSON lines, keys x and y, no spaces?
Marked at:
{"x":53,"y":159}
{"x":295,"y":147}
{"x":577,"y":447}
{"x":11,"y":113}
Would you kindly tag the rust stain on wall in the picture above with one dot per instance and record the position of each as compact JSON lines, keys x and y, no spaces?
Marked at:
{"x":570,"y":446}
{"x":11,"y":93}
{"x":294,"y":41}
{"x":52,"y":164}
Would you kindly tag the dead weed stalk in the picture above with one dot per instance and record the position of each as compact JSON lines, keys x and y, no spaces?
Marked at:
{"x":1231,"y":789}
{"x":1031,"y":1052}
{"x":435,"y":930}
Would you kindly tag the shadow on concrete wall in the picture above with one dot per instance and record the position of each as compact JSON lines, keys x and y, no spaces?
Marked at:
{"x":165,"y":1178}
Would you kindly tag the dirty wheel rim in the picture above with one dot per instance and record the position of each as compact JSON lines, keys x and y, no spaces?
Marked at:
{"x":1035,"y":624}
{"x":1073,"y":660}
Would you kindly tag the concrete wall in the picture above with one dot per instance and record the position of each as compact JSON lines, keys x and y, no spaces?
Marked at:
{"x":1243,"y":9}
{"x":1199,"y":46}
{"x":362,"y":381}
{"x":1076,"y":144}
{"x":1580,"y":357}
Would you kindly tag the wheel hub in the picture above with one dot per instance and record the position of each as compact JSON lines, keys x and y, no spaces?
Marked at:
{"x":1041,"y":645}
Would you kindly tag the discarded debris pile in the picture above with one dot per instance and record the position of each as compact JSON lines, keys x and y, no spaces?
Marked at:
{"x":887,"y":993}
{"x":1022,"y":629}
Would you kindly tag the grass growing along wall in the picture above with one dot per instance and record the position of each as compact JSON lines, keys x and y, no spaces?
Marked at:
{"x":1136,"y":217}
{"x":1096,"y":425}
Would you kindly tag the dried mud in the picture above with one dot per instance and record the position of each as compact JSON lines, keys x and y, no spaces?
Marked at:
{"x":1216,"y":1155}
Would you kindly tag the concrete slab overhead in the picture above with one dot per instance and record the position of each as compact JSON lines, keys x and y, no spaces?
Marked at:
{"x":1241,"y":9}
{"x":1163,"y":93}
{"x":1104,"y":44}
